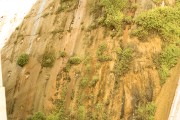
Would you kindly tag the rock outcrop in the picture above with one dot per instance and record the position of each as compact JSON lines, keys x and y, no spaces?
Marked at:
{"x":92,"y":84}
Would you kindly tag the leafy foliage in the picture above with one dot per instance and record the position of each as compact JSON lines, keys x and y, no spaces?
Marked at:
{"x":140,"y":33}
{"x":127,"y":19}
{"x":63,"y":54}
{"x":164,"y":21}
{"x":109,"y":13}
{"x":145,"y":111}
{"x":168,"y":59}
{"x":157,"y":1}
{"x":81,"y":113}
{"x":38,"y":116}
{"x":53,"y":116}
{"x":178,"y":4}
{"x":48,"y":59}
{"x":102,"y":54}
{"x":94,"y":81}
{"x":114,"y":12}
{"x":74,"y":60}
{"x":66,"y":5}
{"x":84,"y":82}
{"x":123,"y":62}
{"x":23,"y":59}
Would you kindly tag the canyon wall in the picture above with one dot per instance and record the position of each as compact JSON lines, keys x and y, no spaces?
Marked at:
{"x":92,"y":85}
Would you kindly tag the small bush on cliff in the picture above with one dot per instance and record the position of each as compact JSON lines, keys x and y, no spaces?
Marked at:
{"x":145,"y":111}
{"x":164,"y":21}
{"x":53,"y":116}
{"x":94,"y":80}
{"x":109,"y":13}
{"x":168,"y":59}
{"x":127,"y":20}
{"x":48,"y":59}
{"x":38,"y":116}
{"x":102,"y":54}
{"x":74,"y":60}
{"x":140,"y":33}
{"x":123,"y":61}
{"x":67,"y":67}
{"x":157,"y":1}
{"x":84,"y":82}
{"x":114,"y":12}
{"x":63,"y":54}
{"x":64,"y":5}
{"x":81,"y":113}
{"x":178,"y":4}
{"x":23,"y":59}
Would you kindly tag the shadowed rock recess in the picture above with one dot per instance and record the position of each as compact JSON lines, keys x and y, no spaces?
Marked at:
{"x":93,"y":60}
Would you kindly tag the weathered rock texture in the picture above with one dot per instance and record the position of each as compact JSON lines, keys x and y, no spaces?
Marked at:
{"x":35,"y":88}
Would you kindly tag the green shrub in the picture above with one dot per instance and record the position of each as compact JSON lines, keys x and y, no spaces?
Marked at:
{"x":133,"y":7}
{"x":102,"y":48}
{"x":145,"y":111}
{"x":74,"y":60}
{"x":38,"y":116}
{"x":102,"y":54}
{"x":114,"y":12}
{"x":23,"y":59}
{"x":178,"y":4}
{"x":81,"y":113}
{"x":157,"y":1}
{"x":114,"y":20}
{"x":163,"y":73}
{"x":48,"y":59}
{"x":53,"y":116}
{"x":67,"y":67}
{"x":92,"y":26}
{"x":104,"y":58}
{"x":88,"y":69}
{"x":109,"y":13}
{"x":123,"y":61}
{"x":63,"y":54}
{"x":170,"y":55}
{"x":164,"y":21}
{"x":141,"y":33}
{"x":168,"y":59}
{"x":127,"y":19}
{"x":94,"y":81}
{"x":55,"y":31}
{"x":95,"y":9}
{"x":84,"y":82}
{"x":101,"y":20}
{"x":64,"y":5}
{"x":87,"y":59}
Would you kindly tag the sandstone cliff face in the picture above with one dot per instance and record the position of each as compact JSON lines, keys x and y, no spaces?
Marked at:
{"x":35,"y":88}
